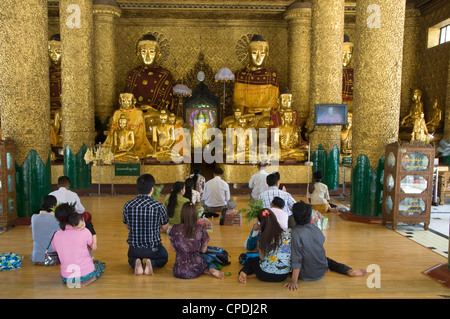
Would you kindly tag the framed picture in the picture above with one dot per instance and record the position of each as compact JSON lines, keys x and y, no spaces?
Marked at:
{"x":331,"y":114}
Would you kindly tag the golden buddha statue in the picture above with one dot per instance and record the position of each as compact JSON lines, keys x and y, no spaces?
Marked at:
{"x":284,"y":104}
{"x":256,"y":87}
{"x":435,"y":118}
{"x":420,"y":131}
{"x":151,"y":84}
{"x":291,"y":142}
{"x":346,"y":137}
{"x":231,"y":121}
{"x":123,"y":142}
{"x":54,"y":53}
{"x":135,"y":122}
{"x":163,"y":138}
{"x":415,"y":111}
{"x":200,"y":127}
{"x":347,"y":74}
{"x":241,"y":141}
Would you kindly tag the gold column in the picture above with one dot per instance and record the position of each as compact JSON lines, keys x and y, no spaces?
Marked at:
{"x":378,"y":77}
{"x":77,"y":72}
{"x":411,"y":53}
{"x":106,"y":15}
{"x":24,"y":85}
{"x":327,"y":35}
{"x":298,"y":16}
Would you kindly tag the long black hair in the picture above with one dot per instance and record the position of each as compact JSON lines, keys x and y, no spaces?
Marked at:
{"x":196,"y":171}
{"x":188,"y":185}
{"x":270,"y":230}
{"x":176,"y":188}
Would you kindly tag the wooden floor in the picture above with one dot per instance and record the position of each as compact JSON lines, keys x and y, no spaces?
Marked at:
{"x":359,"y":245}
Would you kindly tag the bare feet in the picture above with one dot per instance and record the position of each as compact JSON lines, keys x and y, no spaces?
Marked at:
{"x":357,"y":272}
{"x":138,"y":270}
{"x":243,"y":277}
{"x":148,"y":268}
{"x":217,"y":273}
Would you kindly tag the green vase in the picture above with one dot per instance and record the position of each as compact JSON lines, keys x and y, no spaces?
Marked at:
{"x":328,"y":164}
{"x":33,"y":182}
{"x":76,"y":169}
{"x":367,"y":188}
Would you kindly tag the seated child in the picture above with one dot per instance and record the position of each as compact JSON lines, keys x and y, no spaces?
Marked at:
{"x":318,"y":195}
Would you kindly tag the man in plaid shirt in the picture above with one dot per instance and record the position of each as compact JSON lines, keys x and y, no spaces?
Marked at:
{"x":145,"y":217}
{"x":274,"y":191}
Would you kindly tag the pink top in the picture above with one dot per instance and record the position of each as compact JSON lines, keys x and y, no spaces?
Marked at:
{"x":72,"y":248}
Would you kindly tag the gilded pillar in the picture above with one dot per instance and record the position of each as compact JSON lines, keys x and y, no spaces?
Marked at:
{"x":25,"y":97}
{"x":411,"y":55}
{"x":298,"y":17}
{"x":77,"y":73}
{"x":327,"y":34}
{"x":447,"y":108}
{"x":376,"y":97}
{"x":106,"y":15}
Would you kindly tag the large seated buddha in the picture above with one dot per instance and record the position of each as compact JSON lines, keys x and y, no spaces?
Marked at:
{"x":256,"y":87}
{"x":151,"y":84}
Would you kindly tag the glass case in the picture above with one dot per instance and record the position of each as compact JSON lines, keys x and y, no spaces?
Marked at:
{"x":8,"y":209}
{"x":408,"y":183}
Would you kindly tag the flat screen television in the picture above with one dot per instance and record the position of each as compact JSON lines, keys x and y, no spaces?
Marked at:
{"x":331,"y":114}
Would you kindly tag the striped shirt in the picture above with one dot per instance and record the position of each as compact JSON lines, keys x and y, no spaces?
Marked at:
{"x":268,"y":195}
{"x":144,"y":217}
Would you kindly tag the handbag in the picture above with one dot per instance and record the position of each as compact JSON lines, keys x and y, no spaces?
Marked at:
{"x":51,"y":258}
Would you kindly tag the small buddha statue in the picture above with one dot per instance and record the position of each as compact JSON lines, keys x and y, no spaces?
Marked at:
{"x":347,"y":73}
{"x":232,"y":121}
{"x":55,"y":53}
{"x":420,"y":131}
{"x":151,"y":84}
{"x":135,"y":122}
{"x":123,"y":142}
{"x":435,"y":117}
{"x":241,"y":141}
{"x":346,"y":137}
{"x":284,"y":103}
{"x":256,"y":87}
{"x":163,"y":138}
{"x":197,"y":135}
{"x":291,"y":142}
{"x":415,"y":111}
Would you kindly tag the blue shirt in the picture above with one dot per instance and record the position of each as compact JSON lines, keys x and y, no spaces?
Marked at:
{"x":43,"y":226}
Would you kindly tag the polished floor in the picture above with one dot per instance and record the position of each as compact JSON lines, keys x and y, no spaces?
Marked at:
{"x":400,"y":260}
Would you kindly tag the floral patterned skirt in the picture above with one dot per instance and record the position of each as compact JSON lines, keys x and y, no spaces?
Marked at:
{"x":99,"y":268}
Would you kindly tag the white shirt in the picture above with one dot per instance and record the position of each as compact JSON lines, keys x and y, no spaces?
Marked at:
{"x":320,"y":194}
{"x":216,"y":192}
{"x":282,"y":217}
{"x":258,"y":183}
{"x":63,"y":195}
{"x":195,"y":197}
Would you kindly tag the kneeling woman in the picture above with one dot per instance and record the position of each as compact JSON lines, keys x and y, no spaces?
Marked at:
{"x":189,"y":240}
{"x":72,"y":244}
{"x":274,"y":245}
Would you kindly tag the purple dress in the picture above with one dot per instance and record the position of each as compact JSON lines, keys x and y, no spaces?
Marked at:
{"x":189,"y":262}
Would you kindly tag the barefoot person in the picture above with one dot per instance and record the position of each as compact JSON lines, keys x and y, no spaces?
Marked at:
{"x":145,"y":218}
{"x":190,"y":240}
{"x":309,"y":261}
{"x":274,"y":261}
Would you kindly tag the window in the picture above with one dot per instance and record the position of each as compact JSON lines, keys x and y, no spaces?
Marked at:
{"x":439,"y":33}
{"x":445,"y":34}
